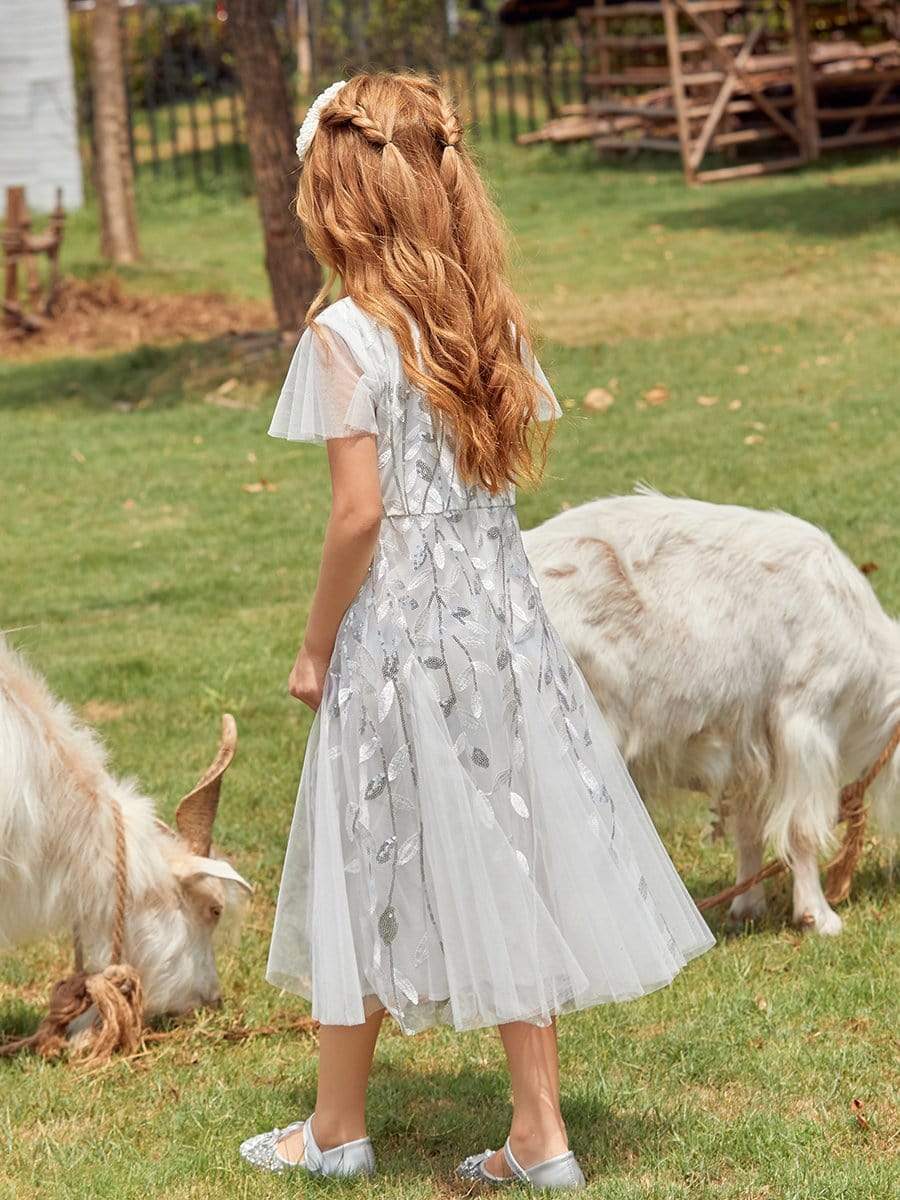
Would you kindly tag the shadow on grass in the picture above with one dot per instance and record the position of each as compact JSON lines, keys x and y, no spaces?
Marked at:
{"x":158,"y":376}
{"x":823,"y":209}
{"x":18,"y":1019}
{"x":424,"y":1121}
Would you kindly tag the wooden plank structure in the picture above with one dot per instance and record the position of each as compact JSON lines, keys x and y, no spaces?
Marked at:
{"x":761,"y":89}
{"x":21,"y":247}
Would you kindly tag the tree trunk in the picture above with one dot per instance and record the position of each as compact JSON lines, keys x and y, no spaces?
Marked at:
{"x":294,"y":275}
{"x":114,"y":175}
{"x":301,"y":33}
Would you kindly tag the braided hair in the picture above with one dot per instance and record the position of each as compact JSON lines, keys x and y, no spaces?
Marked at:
{"x":393,"y":205}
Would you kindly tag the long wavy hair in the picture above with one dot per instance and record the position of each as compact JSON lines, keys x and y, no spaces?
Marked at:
{"x":392,"y":204}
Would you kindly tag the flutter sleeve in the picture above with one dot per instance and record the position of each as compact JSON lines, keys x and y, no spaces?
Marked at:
{"x":548,"y":405}
{"x":326,"y":392}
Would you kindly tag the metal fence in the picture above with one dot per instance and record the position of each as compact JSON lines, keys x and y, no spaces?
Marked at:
{"x":184,"y":104}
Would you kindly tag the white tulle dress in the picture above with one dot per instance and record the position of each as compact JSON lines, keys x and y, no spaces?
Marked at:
{"x":467,"y":846}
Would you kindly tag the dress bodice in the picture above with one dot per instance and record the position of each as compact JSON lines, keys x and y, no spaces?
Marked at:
{"x":350,"y":379}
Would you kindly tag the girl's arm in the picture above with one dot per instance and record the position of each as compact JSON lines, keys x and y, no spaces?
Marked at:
{"x":350,"y":538}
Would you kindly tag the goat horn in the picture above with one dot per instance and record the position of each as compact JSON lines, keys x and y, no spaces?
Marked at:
{"x":196,"y":813}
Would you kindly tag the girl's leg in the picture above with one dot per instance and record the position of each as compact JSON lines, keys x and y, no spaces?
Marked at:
{"x":345,"y":1059}
{"x":538,"y":1131}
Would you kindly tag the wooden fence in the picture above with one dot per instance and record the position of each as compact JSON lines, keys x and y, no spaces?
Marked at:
{"x":185,"y":111}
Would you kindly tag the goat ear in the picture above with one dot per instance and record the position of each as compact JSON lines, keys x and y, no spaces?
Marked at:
{"x":221,"y":868}
{"x":196,"y":813}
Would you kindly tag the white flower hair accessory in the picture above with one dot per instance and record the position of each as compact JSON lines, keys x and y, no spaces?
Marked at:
{"x":311,"y":120}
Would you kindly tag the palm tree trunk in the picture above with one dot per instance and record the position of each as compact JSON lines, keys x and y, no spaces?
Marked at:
{"x":114,"y":175}
{"x":294,"y":275}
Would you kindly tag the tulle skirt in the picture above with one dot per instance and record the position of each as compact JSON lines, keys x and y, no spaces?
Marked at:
{"x":468,"y":847}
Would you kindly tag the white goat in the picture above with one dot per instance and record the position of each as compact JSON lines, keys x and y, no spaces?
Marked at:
{"x":735,"y":652}
{"x":57,"y":849}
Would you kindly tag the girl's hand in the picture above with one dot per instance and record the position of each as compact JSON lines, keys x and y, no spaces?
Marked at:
{"x":307,"y":680}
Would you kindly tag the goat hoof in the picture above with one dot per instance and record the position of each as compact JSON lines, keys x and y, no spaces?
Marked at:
{"x":747,"y":908}
{"x":825,"y":922}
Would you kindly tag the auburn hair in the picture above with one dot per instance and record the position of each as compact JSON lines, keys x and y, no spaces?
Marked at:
{"x":393,"y":205}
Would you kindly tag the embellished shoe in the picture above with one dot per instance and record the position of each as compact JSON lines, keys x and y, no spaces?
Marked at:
{"x":562,"y":1171}
{"x":352,"y":1158}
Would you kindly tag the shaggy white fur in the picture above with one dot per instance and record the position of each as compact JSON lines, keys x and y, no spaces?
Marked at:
{"x":736,"y":652}
{"x":57,"y":854}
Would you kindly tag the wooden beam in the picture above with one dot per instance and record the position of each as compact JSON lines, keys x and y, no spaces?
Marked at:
{"x":871,"y":109}
{"x":667,"y":145}
{"x":739,"y":106}
{"x":642,"y":8}
{"x":639,"y":8}
{"x":746,"y":137}
{"x":688,"y":45}
{"x":632,"y":77}
{"x":752,"y":86}
{"x":750,"y":170}
{"x":871,"y":137}
{"x":644,"y":111}
{"x":857,"y":110}
{"x":720,"y":104}
{"x":852,"y":79}
{"x":12,"y":240}
{"x":670,"y":17}
{"x":805,"y":88}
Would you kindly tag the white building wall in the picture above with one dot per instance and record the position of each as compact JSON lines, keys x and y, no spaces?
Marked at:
{"x":38,"y":127}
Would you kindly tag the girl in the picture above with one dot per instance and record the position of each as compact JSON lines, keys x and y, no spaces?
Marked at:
{"x":467,"y":845}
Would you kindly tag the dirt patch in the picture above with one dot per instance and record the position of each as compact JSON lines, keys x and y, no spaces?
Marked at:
{"x":99,"y":314}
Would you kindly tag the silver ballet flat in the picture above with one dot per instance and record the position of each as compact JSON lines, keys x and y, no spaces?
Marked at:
{"x":352,"y":1158}
{"x":562,"y":1171}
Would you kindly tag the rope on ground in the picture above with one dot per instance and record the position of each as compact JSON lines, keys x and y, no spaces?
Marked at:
{"x":840,"y":870}
{"x":115,"y":992}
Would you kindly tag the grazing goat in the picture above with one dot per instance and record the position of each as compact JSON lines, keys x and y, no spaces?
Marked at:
{"x":58,"y":814}
{"x":735,"y":652}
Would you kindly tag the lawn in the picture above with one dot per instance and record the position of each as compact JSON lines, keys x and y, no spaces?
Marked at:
{"x":156,"y":591}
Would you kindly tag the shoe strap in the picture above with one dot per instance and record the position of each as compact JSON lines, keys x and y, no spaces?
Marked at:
{"x":521,"y":1172}
{"x":313,"y":1158}
{"x":517,"y":1170}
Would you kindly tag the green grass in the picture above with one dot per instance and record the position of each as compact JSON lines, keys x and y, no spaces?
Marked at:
{"x":156,"y":593}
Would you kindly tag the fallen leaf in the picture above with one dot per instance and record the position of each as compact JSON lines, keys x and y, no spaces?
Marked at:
{"x":761,"y":1003}
{"x":743,"y":369}
{"x":734,"y":405}
{"x":753,"y":439}
{"x":565,"y":506}
{"x":868,"y":568}
{"x":228,"y":386}
{"x":707,"y":401}
{"x":598,"y":400}
{"x":78,"y":456}
{"x":251,"y":456}
{"x":834,"y":426}
{"x":822,"y":360}
{"x":856,"y":1107}
{"x":657,"y":395}
{"x":261,"y":485}
{"x":129,"y":503}
{"x":758,"y":426}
